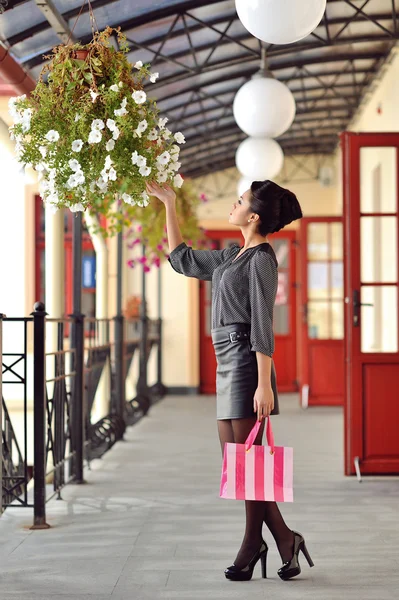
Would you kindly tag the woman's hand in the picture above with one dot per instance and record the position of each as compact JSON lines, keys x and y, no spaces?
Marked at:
{"x":165,"y":194}
{"x":263,"y":401}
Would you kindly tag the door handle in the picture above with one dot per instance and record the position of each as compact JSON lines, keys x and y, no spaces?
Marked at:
{"x":356,"y":307}
{"x":305,"y":313}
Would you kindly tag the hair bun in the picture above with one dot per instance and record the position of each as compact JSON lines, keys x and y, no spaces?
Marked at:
{"x":275,"y":205}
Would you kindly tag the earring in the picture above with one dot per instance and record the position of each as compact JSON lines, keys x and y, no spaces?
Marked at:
{"x":249,"y":220}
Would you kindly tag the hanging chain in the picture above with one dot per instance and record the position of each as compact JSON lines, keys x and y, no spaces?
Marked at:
{"x":93,"y":21}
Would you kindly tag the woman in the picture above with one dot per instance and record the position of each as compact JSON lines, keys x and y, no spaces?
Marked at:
{"x":244,"y":285}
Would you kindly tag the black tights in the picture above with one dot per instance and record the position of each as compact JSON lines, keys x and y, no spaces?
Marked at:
{"x":256,"y":512}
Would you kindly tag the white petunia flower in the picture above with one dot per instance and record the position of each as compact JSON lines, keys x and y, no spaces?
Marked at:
{"x":175,"y":149}
{"x":108,"y":162}
{"x":51,"y":208}
{"x":77,"y":145}
{"x":162,"y":176}
{"x":179,"y":137}
{"x":114,"y":88}
{"x":93,"y":95}
{"x":116,"y":133}
{"x":110,"y":145}
{"x":52,"y":135}
{"x":52,"y":175}
{"x":178,"y":181}
{"x":111,"y":124}
{"x":72,"y":181}
{"x":162,"y":122}
{"x":77,"y":207}
{"x":112,"y":174}
{"x":102,"y":184}
{"x":40,"y":167}
{"x":120,"y":112}
{"x":175,"y":166}
{"x":137,"y":133}
{"x":77,"y":118}
{"x":92,"y":186}
{"x":145,"y":171}
{"x":141,"y":161}
{"x":138,"y":65}
{"x":142,"y":126}
{"x":74,"y":165}
{"x":43,"y":151}
{"x":124,"y":102}
{"x":145,"y":199}
{"x":128,"y":199}
{"x":154,"y":77}
{"x":166,"y":134}
{"x":139,"y":97}
{"x":79,"y":177}
{"x":153,"y":135}
{"x":120,"y":84}
{"x":163,"y":158}
{"x":98,"y":124}
{"x":95,"y":136}
{"x":135,"y":156}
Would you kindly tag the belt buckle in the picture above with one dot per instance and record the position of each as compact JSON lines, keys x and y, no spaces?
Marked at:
{"x":233,"y":336}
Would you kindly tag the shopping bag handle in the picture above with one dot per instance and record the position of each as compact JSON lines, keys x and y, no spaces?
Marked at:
{"x":254,"y":432}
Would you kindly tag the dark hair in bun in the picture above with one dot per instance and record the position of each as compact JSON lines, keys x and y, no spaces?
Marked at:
{"x":276,"y":206}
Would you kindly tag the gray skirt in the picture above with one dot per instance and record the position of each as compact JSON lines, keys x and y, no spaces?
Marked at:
{"x":237,"y":373}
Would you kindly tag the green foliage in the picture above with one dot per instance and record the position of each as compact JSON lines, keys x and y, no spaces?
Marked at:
{"x":119,"y":151}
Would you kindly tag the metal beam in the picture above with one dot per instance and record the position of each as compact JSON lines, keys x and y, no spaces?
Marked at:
{"x":56,"y":20}
{"x":243,"y":76}
{"x":187,"y":122}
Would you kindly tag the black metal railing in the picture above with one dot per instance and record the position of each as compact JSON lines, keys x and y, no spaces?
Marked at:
{"x":77,"y":411}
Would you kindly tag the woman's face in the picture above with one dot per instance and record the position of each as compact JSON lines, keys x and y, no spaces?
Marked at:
{"x":241,"y":210}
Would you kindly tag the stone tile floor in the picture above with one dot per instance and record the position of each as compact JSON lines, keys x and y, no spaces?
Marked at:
{"x":149,"y":524}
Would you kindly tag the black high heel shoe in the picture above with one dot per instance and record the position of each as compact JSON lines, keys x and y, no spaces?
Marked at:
{"x":292,"y":568}
{"x":245,"y":574}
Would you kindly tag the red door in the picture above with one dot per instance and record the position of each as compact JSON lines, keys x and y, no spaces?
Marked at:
{"x":284,"y":314}
{"x":219,"y":241}
{"x":321,"y":356}
{"x":371,"y":224}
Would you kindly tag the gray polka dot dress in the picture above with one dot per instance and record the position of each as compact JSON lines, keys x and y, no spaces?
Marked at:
{"x":243,"y":295}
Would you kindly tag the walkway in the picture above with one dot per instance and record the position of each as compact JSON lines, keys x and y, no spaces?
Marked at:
{"x":149,"y":523}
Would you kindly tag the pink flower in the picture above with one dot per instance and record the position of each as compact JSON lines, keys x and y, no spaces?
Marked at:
{"x":130,"y":263}
{"x":164,"y":240}
{"x":142,"y":260}
{"x":160,"y":247}
{"x":146,"y":269}
{"x":203,"y":198}
{"x":157,"y":262}
{"x":139,"y":228}
{"x":190,"y":242}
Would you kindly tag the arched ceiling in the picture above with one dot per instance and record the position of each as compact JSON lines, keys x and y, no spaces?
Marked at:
{"x":204,"y":55}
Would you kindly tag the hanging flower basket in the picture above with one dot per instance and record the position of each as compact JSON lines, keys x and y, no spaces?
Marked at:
{"x":91,"y":132}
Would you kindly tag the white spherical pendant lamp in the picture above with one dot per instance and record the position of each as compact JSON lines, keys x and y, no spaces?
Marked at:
{"x":243,"y":185}
{"x":280,"y":21}
{"x":259,"y":158}
{"x":264,"y":107}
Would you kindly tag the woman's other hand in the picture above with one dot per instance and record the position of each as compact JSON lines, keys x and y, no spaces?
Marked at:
{"x":263,"y":402}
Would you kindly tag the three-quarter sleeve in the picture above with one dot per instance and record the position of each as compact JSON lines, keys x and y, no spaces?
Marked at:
{"x":198,"y":263}
{"x":262,"y":294}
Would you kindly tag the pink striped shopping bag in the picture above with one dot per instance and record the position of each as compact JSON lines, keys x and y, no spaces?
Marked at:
{"x":257,"y":472}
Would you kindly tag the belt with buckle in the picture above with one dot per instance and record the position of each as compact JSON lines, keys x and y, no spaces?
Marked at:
{"x":236,"y":336}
